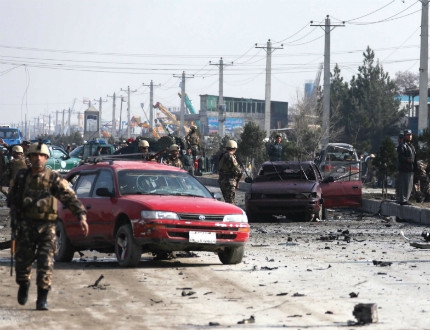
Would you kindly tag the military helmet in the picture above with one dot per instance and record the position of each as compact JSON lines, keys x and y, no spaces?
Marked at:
{"x":39,"y":148}
{"x":231,"y":144}
{"x":17,"y":149}
{"x":143,"y":143}
{"x":174,"y":147}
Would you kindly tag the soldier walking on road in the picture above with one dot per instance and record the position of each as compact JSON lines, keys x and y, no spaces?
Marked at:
{"x":32,"y":198}
{"x":229,"y":172}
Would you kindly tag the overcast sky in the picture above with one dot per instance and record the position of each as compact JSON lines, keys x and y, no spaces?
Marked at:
{"x":55,"y":53}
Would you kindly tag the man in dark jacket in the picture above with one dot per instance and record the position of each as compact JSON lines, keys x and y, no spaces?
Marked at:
{"x":275,"y":149}
{"x":407,"y":167}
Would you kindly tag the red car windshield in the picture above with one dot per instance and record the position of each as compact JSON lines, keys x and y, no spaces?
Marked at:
{"x":139,"y":182}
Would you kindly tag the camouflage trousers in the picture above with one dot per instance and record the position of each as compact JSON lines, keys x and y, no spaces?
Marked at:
{"x":35,"y":241}
{"x":228,"y":190}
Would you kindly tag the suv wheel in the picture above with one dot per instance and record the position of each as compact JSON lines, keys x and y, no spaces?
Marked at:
{"x":127,"y":251}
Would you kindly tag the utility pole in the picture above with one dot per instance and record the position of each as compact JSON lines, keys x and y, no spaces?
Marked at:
{"x":63,"y":125}
{"x":113,"y":115}
{"x":100,"y":101}
{"x":221,"y":106}
{"x":326,"y":92}
{"x":128,"y":108}
{"x":69,"y":130}
{"x":423,"y":92}
{"x":183,"y":76}
{"x":269,"y":50}
{"x":151,"y":104}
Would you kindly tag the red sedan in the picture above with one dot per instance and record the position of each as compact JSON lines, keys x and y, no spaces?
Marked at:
{"x":136,"y":206}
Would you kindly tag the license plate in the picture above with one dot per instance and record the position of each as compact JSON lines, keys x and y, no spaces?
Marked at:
{"x":202,"y":237}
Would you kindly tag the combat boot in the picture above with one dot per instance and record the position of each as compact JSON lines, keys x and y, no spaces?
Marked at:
{"x":23,"y":293}
{"x":42,"y":297}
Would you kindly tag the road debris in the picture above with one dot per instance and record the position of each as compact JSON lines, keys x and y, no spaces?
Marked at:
{"x":96,"y":283}
{"x":247,"y":321}
{"x":353,"y":294}
{"x":382,"y":263}
{"x":365,"y":313}
{"x":187,"y":293}
{"x":416,"y":244}
{"x":298,"y":294}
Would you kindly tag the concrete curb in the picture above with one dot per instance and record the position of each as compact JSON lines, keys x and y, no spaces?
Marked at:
{"x":407,"y":213}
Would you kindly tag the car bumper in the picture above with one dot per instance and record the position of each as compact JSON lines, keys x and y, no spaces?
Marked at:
{"x":181,"y":235}
{"x":282,"y":207}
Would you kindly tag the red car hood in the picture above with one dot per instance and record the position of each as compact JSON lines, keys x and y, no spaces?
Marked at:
{"x":290,"y":186}
{"x":183,"y":204}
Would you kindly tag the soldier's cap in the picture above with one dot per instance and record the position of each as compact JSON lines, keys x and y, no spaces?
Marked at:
{"x":17,"y":149}
{"x":407,"y":132}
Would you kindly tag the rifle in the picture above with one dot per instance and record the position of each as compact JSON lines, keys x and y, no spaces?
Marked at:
{"x":243,"y":168}
{"x":13,"y":225}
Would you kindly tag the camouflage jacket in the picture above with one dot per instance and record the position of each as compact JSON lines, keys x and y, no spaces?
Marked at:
{"x":228,"y":167}
{"x":12,"y":168}
{"x":174,"y":162}
{"x":35,"y":196}
{"x":193,"y":139}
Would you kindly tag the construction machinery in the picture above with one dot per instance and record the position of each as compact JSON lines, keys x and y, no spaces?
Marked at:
{"x":188,"y":103}
{"x":171,"y":120}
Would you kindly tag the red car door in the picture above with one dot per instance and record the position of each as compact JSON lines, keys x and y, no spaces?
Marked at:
{"x":341,"y":193}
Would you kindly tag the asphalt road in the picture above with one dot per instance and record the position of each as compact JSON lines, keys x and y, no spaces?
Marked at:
{"x":294,"y":275}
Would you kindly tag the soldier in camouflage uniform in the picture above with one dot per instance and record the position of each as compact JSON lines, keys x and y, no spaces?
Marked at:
{"x":193,"y":140}
{"x":422,"y":182}
{"x":15,"y":164}
{"x":173,"y":159}
{"x":229,"y":172}
{"x":33,"y":198}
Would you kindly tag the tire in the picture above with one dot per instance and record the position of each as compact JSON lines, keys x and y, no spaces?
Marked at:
{"x":65,"y":250}
{"x":231,"y":255}
{"x":127,"y":251}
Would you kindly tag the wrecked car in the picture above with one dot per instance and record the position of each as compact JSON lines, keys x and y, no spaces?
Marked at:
{"x":298,"y":191}
{"x":340,"y":161}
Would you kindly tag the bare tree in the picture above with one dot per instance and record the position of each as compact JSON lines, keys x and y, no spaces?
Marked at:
{"x":406,"y":80}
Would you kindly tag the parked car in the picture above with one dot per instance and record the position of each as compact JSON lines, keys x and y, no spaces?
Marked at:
{"x":297,"y":190}
{"x":60,"y":161}
{"x":90,"y":148}
{"x":134,"y":207}
{"x":339,"y":160}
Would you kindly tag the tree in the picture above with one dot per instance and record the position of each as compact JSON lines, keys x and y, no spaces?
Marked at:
{"x":385,"y":161}
{"x":251,"y":145}
{"x":374,"y":111}
{"x":406,"y":80}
